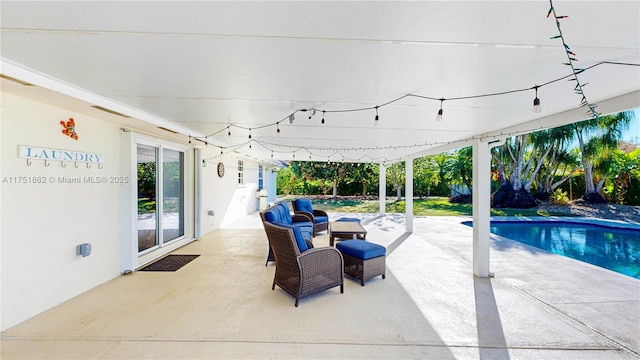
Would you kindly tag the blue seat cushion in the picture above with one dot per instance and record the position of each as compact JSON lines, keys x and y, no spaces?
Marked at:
{"x":306,"y":228}
{"x":361,"y":249}
{"x":302,"y":245}
{"x":321,"y":219}
{"x":349,"y":219}
{"x":303,"y":205}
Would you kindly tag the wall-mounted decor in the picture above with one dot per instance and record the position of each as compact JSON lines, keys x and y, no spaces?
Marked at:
{"x":32,"y":152}
{"x":220,"y":169}
{"x":69,"y":128}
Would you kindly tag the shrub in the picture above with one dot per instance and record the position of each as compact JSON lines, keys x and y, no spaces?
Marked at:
{"x":560,"y":197}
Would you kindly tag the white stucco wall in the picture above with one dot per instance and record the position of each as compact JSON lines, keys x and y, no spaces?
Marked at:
{"x":228,"y":199}
{"x":43,"y":222}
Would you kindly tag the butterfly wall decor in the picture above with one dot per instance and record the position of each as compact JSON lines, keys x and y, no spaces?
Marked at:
{"x":69,"y":128}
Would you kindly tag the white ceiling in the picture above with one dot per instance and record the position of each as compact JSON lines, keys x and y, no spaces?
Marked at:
{"x":200,"y":67}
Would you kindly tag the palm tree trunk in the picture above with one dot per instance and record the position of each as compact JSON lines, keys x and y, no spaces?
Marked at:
{"x":586,"y":165}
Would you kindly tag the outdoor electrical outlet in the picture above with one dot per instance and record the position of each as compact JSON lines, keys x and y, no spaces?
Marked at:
{"x":83,"y":249}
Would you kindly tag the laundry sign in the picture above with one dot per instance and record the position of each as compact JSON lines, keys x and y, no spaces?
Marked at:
{"x":32,"y":152}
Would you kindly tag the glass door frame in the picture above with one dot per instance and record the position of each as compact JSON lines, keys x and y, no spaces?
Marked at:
{"x":160,"y":147}
{"x":130,"y":258}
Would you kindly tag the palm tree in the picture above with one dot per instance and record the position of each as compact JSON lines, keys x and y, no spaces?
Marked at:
{"x":560,"y":161}
{"x":597,"y":138}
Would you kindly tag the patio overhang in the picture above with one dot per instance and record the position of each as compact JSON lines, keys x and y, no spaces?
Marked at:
{"x":329,"y":81}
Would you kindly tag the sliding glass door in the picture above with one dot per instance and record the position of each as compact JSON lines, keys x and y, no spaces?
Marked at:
{"x":172,"y":194}
{"x":160,"y":191}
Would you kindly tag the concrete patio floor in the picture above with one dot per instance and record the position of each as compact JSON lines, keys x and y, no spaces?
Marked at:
{"x":430,"y":306}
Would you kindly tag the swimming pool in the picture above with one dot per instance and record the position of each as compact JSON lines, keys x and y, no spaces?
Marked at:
{"x":612,"y":248}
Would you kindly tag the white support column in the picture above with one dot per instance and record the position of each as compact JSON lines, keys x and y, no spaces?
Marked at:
{"x":481,"y":207}
{"x":382,"y":192}
{"x":408,"y":194}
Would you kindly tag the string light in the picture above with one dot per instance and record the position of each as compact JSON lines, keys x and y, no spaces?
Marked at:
{"x":249,"y":133}
{"x":375,"y":121}
{"x":189,"y":139}
{"x":536,"y":102}
{"x":206,"y":138}
{"x":322,"y":122}
{"x":459,"y":142}
{"x":439,"y":116}
{"x":572,"y":77}
{"x":571,"y":56}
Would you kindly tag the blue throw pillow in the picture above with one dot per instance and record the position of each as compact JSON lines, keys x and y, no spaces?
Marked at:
{"x":302,"y":245}
{"x":270,"y":216}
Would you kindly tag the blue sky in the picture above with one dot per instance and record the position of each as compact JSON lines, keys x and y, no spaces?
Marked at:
{"x":633,"y":133}
{"x":634,"y":129}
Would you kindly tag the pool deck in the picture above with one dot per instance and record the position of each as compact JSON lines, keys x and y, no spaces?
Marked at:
{"x":430,"y":306}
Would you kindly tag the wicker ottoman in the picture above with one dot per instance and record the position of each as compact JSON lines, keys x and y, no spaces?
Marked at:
{"x":362,"y":259}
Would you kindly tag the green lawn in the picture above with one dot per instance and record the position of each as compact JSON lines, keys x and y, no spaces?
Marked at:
{"x":432,"y":206}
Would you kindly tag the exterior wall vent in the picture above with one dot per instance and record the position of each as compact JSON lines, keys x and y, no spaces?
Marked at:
{"x":169,"y":130}
{"x":15,"y":80}
{"x":109,"y":111}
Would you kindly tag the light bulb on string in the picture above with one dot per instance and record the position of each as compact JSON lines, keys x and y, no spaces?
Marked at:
{"x":249,"y":133}
{"x":278,"y":128}
{"x":229,"y":131}
{"x":205,"y":140}
{"x":322,"y":122}
{"x":377,"y":118}
{"x":291,"y":118}
{"x":189,"y":139}
{"x":536,"y":102}
{"x":439,"y":116}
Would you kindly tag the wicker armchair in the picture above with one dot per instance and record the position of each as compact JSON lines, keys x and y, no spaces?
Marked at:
{"x":319,"y":218}
{"x":296,"y":221}
{"x":305,"y":273}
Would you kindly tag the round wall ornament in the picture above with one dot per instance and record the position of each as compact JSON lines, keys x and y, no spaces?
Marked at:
{"x":220,"y":169}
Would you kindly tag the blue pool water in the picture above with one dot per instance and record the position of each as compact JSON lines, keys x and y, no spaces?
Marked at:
{"x":612,"y":248}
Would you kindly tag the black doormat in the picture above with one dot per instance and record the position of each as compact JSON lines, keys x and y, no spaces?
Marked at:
{"x":169,"y":263}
